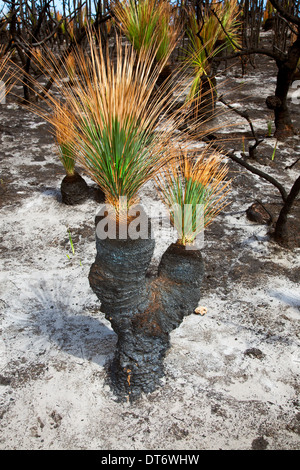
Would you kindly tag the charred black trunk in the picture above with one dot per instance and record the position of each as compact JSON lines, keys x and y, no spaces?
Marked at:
{"x":278,"y":103}
{"x":281,"y":234}
{"x":74,"y":189}
{"x":143,"y":311}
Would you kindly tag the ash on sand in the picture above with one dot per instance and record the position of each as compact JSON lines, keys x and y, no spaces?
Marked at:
{"x":231,"y":375}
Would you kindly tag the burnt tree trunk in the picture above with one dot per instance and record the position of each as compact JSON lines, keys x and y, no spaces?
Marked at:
{"x":281,"y":231}
{"x":278,"y":103}
{"x":141,"y":310}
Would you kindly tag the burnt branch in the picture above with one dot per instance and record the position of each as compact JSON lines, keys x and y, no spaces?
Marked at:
{"x":260,"y":173}
{"x":286,"y":14}
{"x":280,"y":233}
{"x":233,"y":43}
{"x":246,"y":116}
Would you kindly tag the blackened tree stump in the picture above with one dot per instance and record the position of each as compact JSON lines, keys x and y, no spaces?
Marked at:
{"x":141,"y":310}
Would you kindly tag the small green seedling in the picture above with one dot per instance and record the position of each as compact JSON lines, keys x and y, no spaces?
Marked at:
{"x":72,"y":246}
{"x":274,"y":151}
{"x":71,"y":242}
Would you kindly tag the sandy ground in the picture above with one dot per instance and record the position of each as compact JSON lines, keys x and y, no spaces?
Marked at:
{"x":231,"y":376}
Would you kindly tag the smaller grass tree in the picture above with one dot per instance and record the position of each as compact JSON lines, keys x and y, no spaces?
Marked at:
{"x":148,"y":24}
{"x":74,"y":189}
{"x":194,"y":191}
{"x":64,"y":137}
{"x":216,"y":29}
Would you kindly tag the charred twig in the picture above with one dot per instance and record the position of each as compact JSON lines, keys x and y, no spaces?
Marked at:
{"x":71,"y":16}
{"x":280,"y":234}
{"x":233,"y":43}
{"x":245,"y":115}
{"x":286,"y":14}
{"x":288,"y":167}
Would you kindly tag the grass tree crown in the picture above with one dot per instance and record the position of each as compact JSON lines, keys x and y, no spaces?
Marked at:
{"x":148,"y":23}
{"x":109,"y":119}
{"x":194,"y":189}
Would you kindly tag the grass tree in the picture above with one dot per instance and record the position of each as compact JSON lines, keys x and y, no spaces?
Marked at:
{"x":112,"y":122}
{"x":111,"y":118}
{"x":194,"y":191}
{"x":216,"y":29}
{"x":74,"y":189}
{"x":148,"y":24}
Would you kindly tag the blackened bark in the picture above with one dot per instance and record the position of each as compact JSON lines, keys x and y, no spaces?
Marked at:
{"x":141,"y":310}
{"x":285,"y":76}
{"x":281,"y":231}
